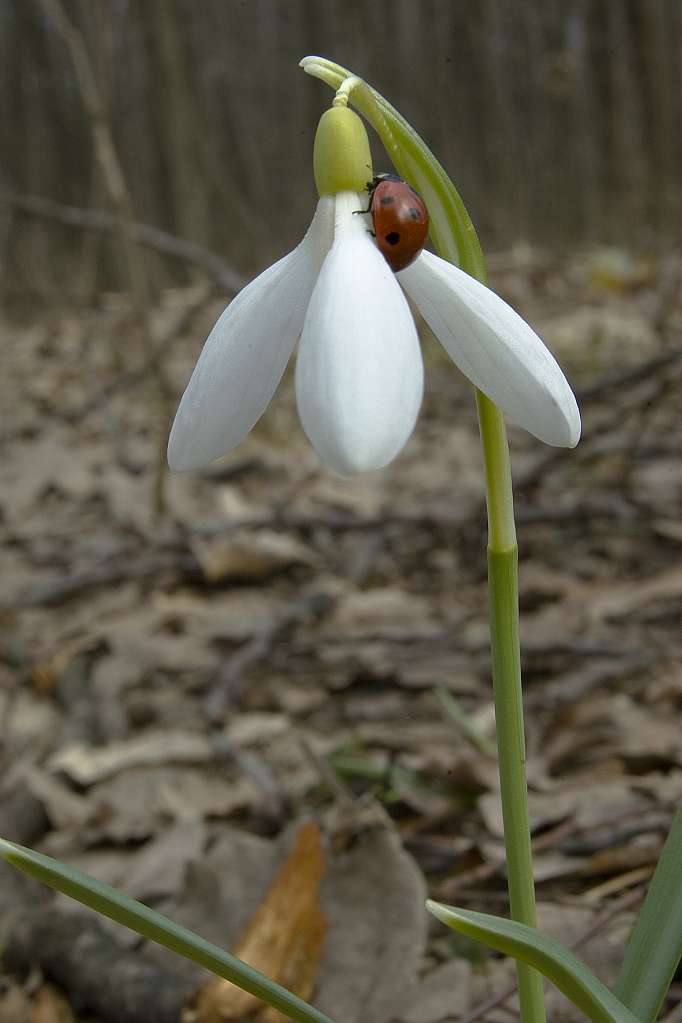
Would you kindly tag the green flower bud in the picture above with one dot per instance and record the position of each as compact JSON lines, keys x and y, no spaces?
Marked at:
{"x":342,"y":161}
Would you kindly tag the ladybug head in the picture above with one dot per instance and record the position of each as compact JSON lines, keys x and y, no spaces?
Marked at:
{"x":378,"y":178}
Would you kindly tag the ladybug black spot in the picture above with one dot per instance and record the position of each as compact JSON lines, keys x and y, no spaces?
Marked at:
{"x":415,"y":214}
{"x":393,"y":238}
{"x":386,"y":200}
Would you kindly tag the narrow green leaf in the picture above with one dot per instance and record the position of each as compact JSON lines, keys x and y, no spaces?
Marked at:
{"x":543,"y":953}
{"x":158,"y":928}
{"x":655,"y":945}
{"x":452,"y":707}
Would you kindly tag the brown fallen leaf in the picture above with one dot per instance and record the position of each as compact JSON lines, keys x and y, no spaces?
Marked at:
{"x":64,"y":807}
{"x":139,"y":801}
{"x":385,"y":611}
{"x":442,"y":993}
{"x":86,"y":765}
{"x":15,"y":1006}
{"x":45,"y":673}
{"x":284,"y":939}
{"x":373,"y":895}
{"x":252,"y":554}
{"x":50,"y":1006}
{"x":622,"y":599}
{"x":640,"y":736}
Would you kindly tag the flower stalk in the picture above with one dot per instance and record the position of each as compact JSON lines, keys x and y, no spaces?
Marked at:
{"x":506,"y":659}
{"x":503,"y":596}
{"x":455,"y":239}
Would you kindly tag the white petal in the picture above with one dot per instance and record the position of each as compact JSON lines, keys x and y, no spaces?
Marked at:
{"x":495,"y":349}
{"x":247,"y":352}
{"x":359,"y":374}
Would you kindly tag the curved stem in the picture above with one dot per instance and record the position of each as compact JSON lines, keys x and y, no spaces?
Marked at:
{"x":344,"y":90}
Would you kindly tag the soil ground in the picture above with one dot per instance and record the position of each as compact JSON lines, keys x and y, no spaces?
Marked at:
{"x":179,"y":692}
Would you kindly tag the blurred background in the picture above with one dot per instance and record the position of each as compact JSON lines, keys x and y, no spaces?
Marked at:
{"x":560,"y":122}
{"x":191,"y":664}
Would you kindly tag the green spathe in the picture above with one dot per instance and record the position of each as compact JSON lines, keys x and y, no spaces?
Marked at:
{"x":342,"y":161}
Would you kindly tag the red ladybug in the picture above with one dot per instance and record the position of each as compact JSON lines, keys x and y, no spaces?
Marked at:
{"x":400,"y":217}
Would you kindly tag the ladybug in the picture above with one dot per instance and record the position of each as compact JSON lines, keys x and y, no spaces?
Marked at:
{"x":400,"y":218}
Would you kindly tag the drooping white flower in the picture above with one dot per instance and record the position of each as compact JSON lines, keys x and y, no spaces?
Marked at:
{"x":359,"y":371}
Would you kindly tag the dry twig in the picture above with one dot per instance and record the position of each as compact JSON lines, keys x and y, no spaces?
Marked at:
{"x":114,"y":179}
{"x":227,"y":279}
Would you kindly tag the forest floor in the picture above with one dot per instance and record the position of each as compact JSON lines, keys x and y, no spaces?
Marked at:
{"x":291,"y":668}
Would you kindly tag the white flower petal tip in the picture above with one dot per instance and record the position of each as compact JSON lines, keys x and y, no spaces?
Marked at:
{"x":247,"y":352}
{"x":495,"y":348}
{"x":359,"y":373}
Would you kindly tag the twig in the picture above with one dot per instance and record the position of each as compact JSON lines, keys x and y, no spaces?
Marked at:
{"x":105,"y":152}
{"x":227,"y":279}
{"x":455,"y":519}
{"x":257,"y":649}
{"x":128,"y":380}
{"x":631,"y":376}
{"x":124,"y":220}
{"x":58,"y":589}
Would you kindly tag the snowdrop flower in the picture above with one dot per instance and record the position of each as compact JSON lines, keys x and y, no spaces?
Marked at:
{"x":359,"y":370}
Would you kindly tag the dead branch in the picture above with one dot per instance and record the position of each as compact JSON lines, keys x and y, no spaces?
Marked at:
{"x":134,"y":378}
{"x":124,"y":219}
{"x":631,"y":376}
{"x":61,"y":588}
{"x":106,"y":155}
{"x":256,"y":649}
{"x":227,"y":279}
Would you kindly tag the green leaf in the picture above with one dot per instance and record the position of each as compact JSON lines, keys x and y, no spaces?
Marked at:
{"x":453,"y":233}
{"x":543,"y":953}
{"x":452,"y":707}
{"x":655,"y":945}
{"x":158,"y":928}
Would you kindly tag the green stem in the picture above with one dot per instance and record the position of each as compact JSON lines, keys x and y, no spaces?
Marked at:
{"x":498,"y":481}
{"x":504,"y":631}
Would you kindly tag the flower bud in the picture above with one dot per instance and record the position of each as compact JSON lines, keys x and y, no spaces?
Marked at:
{"x":342,"y":161}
